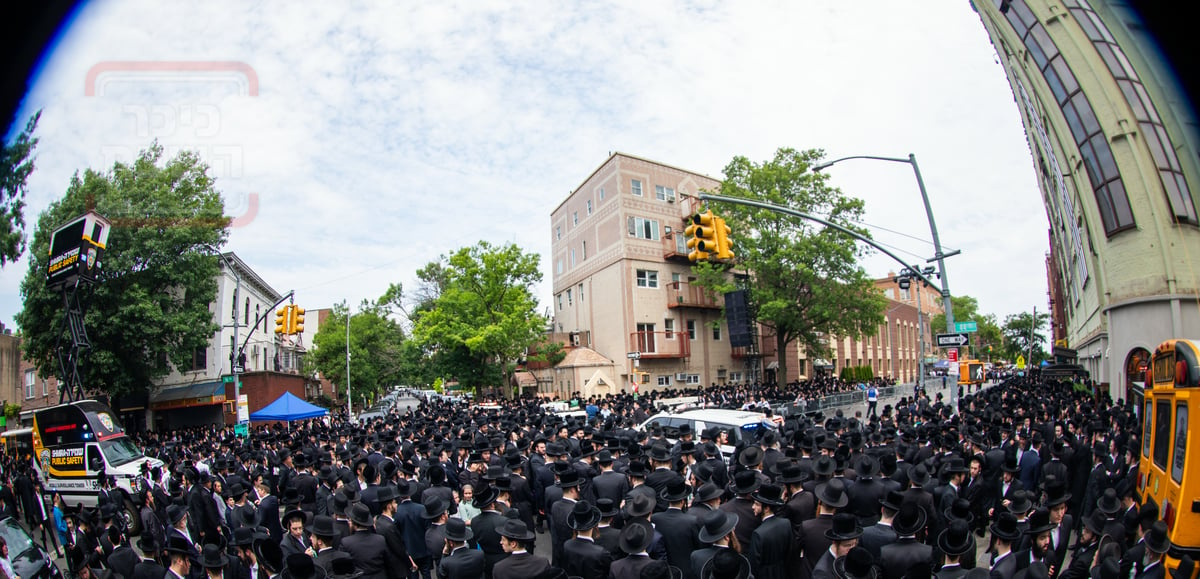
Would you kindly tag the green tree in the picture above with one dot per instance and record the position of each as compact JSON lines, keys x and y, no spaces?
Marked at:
{"x":966,"y":308}
{"x":377,"y":348}
{"x":16,"y":164}
{"x":1017,"y":336}
{"x":805,"y":281}
{"x":484,"y":314}
{"x":150,"y":306}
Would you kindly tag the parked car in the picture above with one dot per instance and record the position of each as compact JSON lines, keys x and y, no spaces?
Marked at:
{"x":738,"y":424}
{"x":29,"y":560}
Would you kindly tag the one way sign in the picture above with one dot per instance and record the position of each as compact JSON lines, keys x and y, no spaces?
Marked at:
{"x":953,"y":340}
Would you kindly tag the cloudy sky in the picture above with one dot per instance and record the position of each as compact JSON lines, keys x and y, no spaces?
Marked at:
{"x":356,"y":141}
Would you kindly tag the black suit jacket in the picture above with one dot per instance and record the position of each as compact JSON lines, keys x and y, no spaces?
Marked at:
{"x":812,"y":538}
{"x":586,"y":559}
{"x":463,"y":563}
{"x":148,"y":569}
{"x":747,"y":522}
{"x":610,"y":538}
{"x":680,"y":536}
{"x":370,"y":553}
{"x":484,"y":527}
{"x":123,"y":560}
{"x":896,"y":559}
{"x":630,"y":567}
{"x":771,"y":551}
{"x":520,"y":566}
{"x":392,"y":535}
{"x":876,"y":536}
{"x":611,"y":485}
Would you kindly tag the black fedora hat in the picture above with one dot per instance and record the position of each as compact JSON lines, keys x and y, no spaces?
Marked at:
{"x":1010,"y":464}
{"x":485,"y":496}
{"x":457,"y":530}
{"x":212,"y":557}
{"x":660,"y":453}
{"x":954,"y":465}
{"x":636,"y":537}
{"x":301,"y":566}
{"x":745,"y":482}
{"x":322,"y":526}
{"x":269,"y":555}
{"x":956,"y":539}
{"x":583,"y":516}
{"x":293,"y":512}
{"x":892,"y":500}
{"x":1039,"y":522}
{"x":909,"y":519}
{"x":1056,"y":493}
{"x":857,"y":564}
{"x":791,"y":473}
{"x":386,"y":494}
{"x":360,"y":515}
{"x":1020,"y":503}
{"x":638,"y":505}
{"x":833,"y":494}
{"x":769,"y":494}
{"x":569,"y":478}
{"x":716,"y":524}
{"x":1156,"y":538}
{"x":918,"y":475}
{"x":1108,"y":503}
{"x":1095,"y":522}
{"x":707,"y":492}
{"x":726,"y":564}
{"x":676,"y":490}
{"x":434,"y":507}
{"x":637,"y":469}
{"x":866,"y":466}
{"x":823,"y":466}
{"x":1006,"y":528}
{"x":845,"y":527}
{"x":516,"y":530}
{"x":244,"y":536}
{"x":344,"y":568}
{"x":751,"y":456}
{"x":960,"y":509}
{"x":174,"y":513}
{"x":608,"y":508}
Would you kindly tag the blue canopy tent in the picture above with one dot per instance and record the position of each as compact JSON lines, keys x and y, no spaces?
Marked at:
{"x":288,"y":407}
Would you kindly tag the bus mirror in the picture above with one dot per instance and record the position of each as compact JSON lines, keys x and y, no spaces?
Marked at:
{"x":94,"y":463}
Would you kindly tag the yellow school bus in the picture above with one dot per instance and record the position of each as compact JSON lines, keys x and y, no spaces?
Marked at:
{"x":1167,"y":474}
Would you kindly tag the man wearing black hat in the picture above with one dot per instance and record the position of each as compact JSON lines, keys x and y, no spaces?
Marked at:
{"x":1157,"y":545}
{"x":716,"y":531}
{"x":896,"y":559}
{"x":520,"y":563}
{"x":581,"y":555}
{"x":955,"y":543}
{"x":661,"y":475}
{"x":1057,"y":498}
{"x":203,"y":508}
{"x":180,"y":561}
{"x":772,"y":550}
{"x":1005,"y":533}
{"x":1097,"y":480}
{"x":484,"y":526}
{"x":1037,"y":541}
{"x":305,"y":483}
{"x":147,"y":566}
{"x":742,"y":505}
{"x":882,"y":533}
{"x":369,"y":550}
{"x":831,"y":496}
{"x":609,"y":484}
{"x":294,"y":520}
{"x":636,"y":537}
{"x":606,"y":535}
{"x":458,"y":560}
{"x":560,"y":532}
{"x":677,"y":527}
{"x":1007,"y":488}
{"x":842,"y":536}
{"x":392,"y":531}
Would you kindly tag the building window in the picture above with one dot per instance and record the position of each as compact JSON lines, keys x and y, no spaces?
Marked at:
{"x":572,"y":257}
{"x":664,"y":193}
{"x":246,"y":314}
{"x":581,"y":293}
{"x":559,"y":296}
{"x":691,"y":329}
{"x":602,"y":193}
{"x":647,"y":278}
{"x":693,"y":379}
{"x":30,"y":380}
{"x":645,"y":338}
{"x":589,"y":206}
{"x":583,"y":256}
{"x":574,"y":218}
{"x":735,"y":377}
{"x":199,"y":360}
{"x":559,"y":266}
{"x":664,"y":380}
{"x":669,"y":328}
{"x":636,"y":187}
{"x":716,"y":332}
{"x":570,"y":302}
{"x":45,"y":387}
{"x":643,"y":228}
{"x":558,"y":232}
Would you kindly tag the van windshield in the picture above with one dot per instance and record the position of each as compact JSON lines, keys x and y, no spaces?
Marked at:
{"x":119,"y":451}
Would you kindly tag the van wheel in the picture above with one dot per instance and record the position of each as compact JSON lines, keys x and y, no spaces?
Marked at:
{"x":133,"y":519}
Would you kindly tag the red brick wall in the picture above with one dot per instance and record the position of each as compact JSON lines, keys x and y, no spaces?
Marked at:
{"x":263,"y":388}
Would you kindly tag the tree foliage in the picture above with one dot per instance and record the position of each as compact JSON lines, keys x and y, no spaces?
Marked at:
{"x":16,"y":164}
{"x":1016,"y":331}
{"x":480,"y":312}
{"x":805,"y":282}
{"x":150,"y":306}
{"x":377,"y":347}
{"x":966,"y":308}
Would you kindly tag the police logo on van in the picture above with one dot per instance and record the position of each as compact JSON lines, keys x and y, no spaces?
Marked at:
{"x":44,"y":458}
{"x":106,"y":421}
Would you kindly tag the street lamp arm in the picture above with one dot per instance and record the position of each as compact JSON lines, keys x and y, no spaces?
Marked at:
{"x":827,"y":164}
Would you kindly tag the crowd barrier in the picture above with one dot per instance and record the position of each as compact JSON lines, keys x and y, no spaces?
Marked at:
{"x":838,"y":400}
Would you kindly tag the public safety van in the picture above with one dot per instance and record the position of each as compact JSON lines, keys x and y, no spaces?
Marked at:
{"x":73,"y":444}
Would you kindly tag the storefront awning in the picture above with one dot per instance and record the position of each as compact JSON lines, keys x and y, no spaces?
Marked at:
{"x":201,"y":394}
{"x":822,"y":363}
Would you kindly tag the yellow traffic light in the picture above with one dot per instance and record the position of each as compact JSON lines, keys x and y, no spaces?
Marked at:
{"x":702,"y":236}
{"x":283,"y":320}
{"x":297,"y":325}
{"x":724,"y":239}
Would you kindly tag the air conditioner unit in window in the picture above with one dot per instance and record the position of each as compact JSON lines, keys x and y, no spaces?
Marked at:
{"x":574,"y":339}
{"x":670,"y":198}
{"x":681,"y":377}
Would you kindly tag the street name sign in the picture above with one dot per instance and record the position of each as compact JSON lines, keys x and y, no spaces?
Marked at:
{"x":633,"y":355}
{"x":966,"y":327}
{"x":953,"y":340}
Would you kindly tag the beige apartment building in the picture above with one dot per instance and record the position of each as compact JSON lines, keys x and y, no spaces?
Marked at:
{"x":1114,"y":144}
{"x":625,"y":305}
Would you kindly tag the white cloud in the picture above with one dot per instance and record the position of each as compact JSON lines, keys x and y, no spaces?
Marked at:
{"x":384,"y":135}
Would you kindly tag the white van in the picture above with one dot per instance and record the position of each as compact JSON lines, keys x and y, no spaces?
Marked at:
{"x":737,"y":424}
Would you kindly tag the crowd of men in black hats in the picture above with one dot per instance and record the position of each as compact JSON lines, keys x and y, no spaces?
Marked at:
{"x":1037,"y":476}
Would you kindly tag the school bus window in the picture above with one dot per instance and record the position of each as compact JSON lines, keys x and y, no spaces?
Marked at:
{"x":1146,"y":431}
{"x":1181,"y":419}
{"x":1162,"y":433}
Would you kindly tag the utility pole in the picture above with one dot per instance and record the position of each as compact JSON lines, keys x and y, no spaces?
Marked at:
{"x":1032,"y":326}
{"x":349,"y":400}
